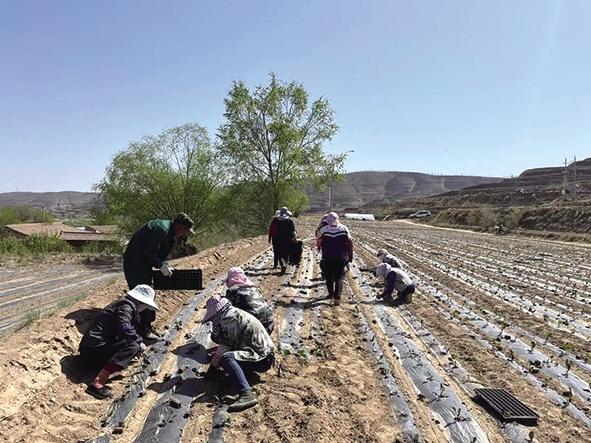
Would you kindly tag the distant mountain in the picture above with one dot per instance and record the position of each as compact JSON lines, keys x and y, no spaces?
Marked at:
{"x":65,"y":204}
{"x":374,"y":187}
{"x":531,"y":188}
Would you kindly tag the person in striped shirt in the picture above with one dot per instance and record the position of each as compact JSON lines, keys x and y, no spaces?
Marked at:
{"x":336,"y":245}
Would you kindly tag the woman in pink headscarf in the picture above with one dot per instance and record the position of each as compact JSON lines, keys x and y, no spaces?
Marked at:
{"x":243,"y":294}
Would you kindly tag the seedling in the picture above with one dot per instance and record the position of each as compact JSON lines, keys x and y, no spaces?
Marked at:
{"x":532,"y":346}
{"x":503,"y":325}
{"x":569,"y":364}
{"x":442,"y":392}
{"x":457,"y":412}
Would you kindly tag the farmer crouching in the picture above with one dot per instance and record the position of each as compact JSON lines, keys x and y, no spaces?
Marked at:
{"x":386,"y":257}
{"x":395,"y":279}
{"x":243,"y":346}
{"x":243,"y":294}
{"x":113,"y":340}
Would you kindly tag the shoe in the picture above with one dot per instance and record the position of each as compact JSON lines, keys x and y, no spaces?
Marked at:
{"x":229,"y":399}
{"x":337,"y":301}
{"x":151,"y":335}
{"x":246,"y":400}
{"x":100,"y":393}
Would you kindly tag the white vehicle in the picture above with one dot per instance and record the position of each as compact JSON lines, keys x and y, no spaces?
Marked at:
{"x":420,"y":214}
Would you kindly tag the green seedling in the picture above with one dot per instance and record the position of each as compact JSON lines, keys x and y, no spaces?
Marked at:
{"x":533,"y":345}
{"x":569,"y":364}
{"x":442,"y":392}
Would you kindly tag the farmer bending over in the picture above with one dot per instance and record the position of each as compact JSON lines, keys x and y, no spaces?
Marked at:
{"x":395,"y":278}
{"x":113,"y":341}
{"x":147,"y":249}
{"x":243,"y":346}
{"x":386,"y":257}
{"x":243,"y":294}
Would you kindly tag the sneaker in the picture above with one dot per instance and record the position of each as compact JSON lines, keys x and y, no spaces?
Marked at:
{"x":151,"y":335}
{"x":246,"y":400}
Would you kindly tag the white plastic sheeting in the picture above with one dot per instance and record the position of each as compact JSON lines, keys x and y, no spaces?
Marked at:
{"x":354,"y":216}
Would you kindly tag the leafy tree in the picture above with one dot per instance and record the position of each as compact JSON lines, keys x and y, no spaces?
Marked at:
{"x":272,"y":141}
{"x":160,"y":176}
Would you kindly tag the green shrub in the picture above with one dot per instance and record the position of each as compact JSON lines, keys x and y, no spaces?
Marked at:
{"x":33,"y":245}
{"x":46,"y":244}
{"x":12,"y":245}
{"x":112,"y":247}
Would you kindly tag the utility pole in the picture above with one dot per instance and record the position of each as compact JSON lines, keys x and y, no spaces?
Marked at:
{"x":565,"y":177}
{"x":574,"y":177}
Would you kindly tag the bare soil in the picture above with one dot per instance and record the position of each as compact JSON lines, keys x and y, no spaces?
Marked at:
{"x":327,"y":385}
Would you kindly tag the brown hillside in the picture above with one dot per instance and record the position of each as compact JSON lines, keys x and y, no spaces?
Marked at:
{"x":365,"y":187}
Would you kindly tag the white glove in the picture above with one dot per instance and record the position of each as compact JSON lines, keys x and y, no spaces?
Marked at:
{"x":166,"y":270}
{"x":143,"y":347}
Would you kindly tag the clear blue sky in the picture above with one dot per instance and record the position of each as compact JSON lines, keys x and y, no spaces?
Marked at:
{"x":469,"y":87}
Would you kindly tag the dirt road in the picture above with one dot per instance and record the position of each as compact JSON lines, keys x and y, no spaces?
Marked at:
{"x":496,"y":312}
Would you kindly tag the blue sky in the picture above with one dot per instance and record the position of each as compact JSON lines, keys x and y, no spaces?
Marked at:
{"x":467,"y":87}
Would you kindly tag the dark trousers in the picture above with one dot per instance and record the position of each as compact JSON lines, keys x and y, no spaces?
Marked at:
{"x":407,"y":293}
{"x":139,"y":273}
{"x":120,"y":353}
{"x":236,"y":368}
{"x":275,"y":253}
{"x":334,"y":272}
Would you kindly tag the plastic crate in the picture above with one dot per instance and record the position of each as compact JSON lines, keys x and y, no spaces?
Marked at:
{"x":181,"y":279}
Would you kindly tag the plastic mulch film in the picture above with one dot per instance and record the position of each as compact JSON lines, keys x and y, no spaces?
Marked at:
{"x":452,"y":415}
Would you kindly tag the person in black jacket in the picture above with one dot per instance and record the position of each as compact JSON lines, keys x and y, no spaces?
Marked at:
{"x":112,"y":341}
{"x":286,"y":237}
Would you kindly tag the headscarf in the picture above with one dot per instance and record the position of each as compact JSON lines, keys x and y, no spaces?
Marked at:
{"x":236,"y":276}
{"x":215,"y":308}
{"x":383,"y":270}
{"x":332,"y":218}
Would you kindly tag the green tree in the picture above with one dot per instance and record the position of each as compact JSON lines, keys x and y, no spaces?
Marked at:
{"x":160,"y":176}
{"x":272,"y":141}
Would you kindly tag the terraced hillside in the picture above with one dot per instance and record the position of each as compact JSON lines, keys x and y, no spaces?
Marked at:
{"x":497,"y":312}
{"x":376,"y":187}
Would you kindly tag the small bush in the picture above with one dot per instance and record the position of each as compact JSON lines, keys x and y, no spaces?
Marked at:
{"x":12,"y":246}
{"x":33,"y":245}
{"x":46,"y":244}
{"x":108,"y":248}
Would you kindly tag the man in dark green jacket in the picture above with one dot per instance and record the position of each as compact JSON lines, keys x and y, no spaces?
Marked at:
{"x":147,"y":249}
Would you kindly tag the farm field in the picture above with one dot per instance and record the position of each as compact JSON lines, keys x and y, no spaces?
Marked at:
{"x":504,"y":312}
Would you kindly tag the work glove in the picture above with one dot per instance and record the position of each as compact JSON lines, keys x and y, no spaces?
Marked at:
{"x":166,"y":270}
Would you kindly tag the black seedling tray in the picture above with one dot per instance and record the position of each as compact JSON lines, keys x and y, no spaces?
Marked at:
{"x":507,"y":406}
{"x":181,"y":279}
